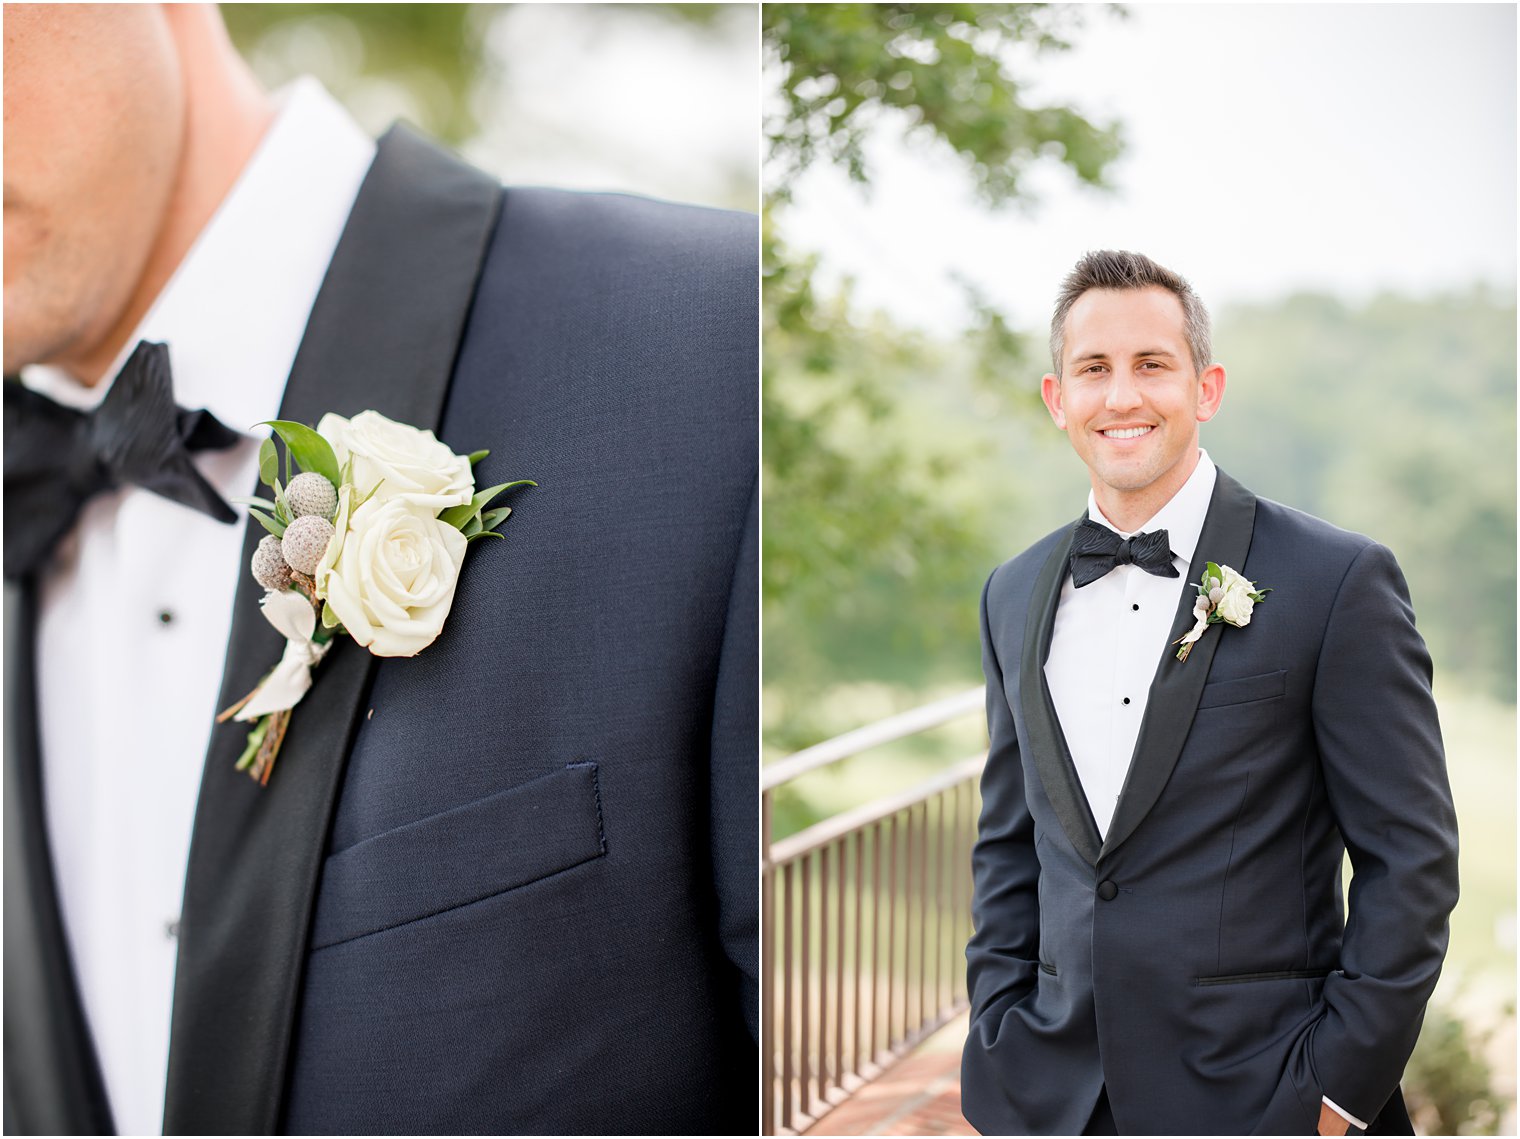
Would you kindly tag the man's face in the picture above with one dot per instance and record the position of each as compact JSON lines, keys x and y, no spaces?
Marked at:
{"x":1128,"y":395}
{"x":94,"y":117}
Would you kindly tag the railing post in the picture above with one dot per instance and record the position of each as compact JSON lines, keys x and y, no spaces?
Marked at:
{"x":822,"y":1074}
{"x":787,"y":1051}
{"x":767,"y":972}
{"x":805,"y":1073}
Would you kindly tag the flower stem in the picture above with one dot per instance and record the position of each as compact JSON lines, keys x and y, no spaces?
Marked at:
{"x":263,"y":762}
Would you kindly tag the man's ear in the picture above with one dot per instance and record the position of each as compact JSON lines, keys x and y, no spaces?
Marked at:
{"x":1050,"y":392}
{"x":1210,"y":392}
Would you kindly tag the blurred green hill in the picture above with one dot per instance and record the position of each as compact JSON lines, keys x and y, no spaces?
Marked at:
{"x":1394,"y":417}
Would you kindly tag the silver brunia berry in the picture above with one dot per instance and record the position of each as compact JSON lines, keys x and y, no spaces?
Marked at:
{"x":270,"y":568}
{"x":306,"y":541}
{"x":310,"y":493}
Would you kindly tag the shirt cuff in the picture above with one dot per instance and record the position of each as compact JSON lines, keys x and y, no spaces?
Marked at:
{"x":1343,"y":1113}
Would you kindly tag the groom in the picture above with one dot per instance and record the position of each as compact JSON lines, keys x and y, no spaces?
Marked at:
{"x":506,"y":886}
{"x":1161,"y":943}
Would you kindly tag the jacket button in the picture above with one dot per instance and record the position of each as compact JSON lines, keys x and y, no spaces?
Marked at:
{"x":1107,"y":890}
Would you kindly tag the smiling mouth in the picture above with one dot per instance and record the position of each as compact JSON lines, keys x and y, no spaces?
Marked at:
{"x":1125,"y":432}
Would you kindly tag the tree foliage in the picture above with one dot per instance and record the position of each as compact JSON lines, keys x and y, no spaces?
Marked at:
{"x":435,"y":55}
{"x":941,"y":70}
{"x":856,"y":511}
{"x":1394,"y":418}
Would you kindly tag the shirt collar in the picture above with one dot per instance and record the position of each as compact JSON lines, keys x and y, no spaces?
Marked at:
{"x":1182,"y":517}
{"x":235,"y":309}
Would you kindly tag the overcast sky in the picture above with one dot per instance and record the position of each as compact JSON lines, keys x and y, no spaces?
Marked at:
{"x":1350,"y":147}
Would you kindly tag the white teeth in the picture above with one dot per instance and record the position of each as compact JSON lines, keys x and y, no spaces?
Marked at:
{"x":1126,"y":432}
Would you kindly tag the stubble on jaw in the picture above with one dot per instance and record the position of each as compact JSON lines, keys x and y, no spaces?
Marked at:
{"x":52,"y":292}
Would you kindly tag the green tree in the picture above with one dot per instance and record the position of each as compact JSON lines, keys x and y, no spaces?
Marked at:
{"x":433,"y":58}
{"x":1394,"y":418}
{"x":434,"y":54}
{"x":856,"y":522}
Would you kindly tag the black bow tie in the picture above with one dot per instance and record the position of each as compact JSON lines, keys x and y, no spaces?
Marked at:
{"x":57,"y":458}
{"x":1096,"y":549}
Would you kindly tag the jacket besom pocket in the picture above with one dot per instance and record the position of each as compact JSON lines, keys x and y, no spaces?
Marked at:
{"x":462,"y":855}
{"x":1276,"y":975}
{"x":1244,"y":689}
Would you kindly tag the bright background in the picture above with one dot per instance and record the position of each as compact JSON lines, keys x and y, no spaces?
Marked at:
{"x":1337,"y":181}
{"x":1348,"y":148}
{"x":656,"y":99}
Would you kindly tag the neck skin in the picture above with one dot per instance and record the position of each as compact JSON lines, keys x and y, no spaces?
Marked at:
{"x":226,"y":116}
{"x":1128,"y":510}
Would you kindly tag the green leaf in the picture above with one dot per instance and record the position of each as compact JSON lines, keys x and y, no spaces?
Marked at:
{"x":263,"y":503}
{"x":476,"y":456}
{"x":273,"y":525}
{"x":485,"y":496}
{"x":269,"y":462}
{"x":471,"y":527}
{"x":281,"y":510}
{"x":457,"y":516}
{"x":310,"y":450}
{"x":490,"y":519}
{"x":485,"y":534}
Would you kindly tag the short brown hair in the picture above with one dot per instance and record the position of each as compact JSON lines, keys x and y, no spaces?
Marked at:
{"x":1120,"y":269}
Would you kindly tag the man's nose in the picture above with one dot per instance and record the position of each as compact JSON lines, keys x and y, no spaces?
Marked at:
{"x":1123,"y":393}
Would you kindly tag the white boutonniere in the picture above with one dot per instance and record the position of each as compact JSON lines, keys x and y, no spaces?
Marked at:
{"x":1223,"y":596}
{"x":366,"y":541}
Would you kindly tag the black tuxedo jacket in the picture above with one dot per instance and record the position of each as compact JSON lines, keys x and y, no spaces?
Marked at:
{"x":1197,"y":960}
{"x":508,"y":885}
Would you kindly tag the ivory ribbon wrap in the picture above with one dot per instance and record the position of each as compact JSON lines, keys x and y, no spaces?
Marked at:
{"x":1201,"y":610}
{"x":294,"y":619}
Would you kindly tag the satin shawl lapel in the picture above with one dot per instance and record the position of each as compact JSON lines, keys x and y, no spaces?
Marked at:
{"x":52,"y":1083}
{"x":383,"y":334}
{"x":1052,"y":758}
{"x":1175,"y":691}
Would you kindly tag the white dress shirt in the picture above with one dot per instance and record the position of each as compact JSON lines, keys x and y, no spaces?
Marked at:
{"x":1108,"y":639}
{"x":137,"y":606}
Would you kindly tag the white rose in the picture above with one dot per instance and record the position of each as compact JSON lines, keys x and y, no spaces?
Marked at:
{"x":1236,"y":604}
{"x":391,"y":581}
{"x":392,"y":460}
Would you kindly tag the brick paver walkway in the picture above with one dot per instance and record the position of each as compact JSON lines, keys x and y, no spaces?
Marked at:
{"x":920,"y":1095}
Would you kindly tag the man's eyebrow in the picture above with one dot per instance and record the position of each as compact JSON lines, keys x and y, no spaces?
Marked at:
{"x":1143,"y":352}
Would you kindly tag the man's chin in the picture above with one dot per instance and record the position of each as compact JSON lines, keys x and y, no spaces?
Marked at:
{"x":1125,"y":478}
{"x":25,"y":344}
{"x":28,"y":346}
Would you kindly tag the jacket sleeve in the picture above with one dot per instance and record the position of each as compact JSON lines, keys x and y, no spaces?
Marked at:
{"x":1003,"y":954}
{"x":735,"y":764}
{"x":1385,"y":776}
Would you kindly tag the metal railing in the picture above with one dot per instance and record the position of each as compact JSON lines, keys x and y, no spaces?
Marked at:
{"x":865,"y":917}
